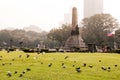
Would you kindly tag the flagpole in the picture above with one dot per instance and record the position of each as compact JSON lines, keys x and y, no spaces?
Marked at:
{"x":114,"y":43}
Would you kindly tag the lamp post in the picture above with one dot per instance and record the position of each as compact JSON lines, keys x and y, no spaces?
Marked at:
{"x":11,"y":41}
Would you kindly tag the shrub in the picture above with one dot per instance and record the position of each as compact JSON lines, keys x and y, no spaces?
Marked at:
{"x":28,"y":50}
{"x":116,"y":51}
{"x":44,"y":50}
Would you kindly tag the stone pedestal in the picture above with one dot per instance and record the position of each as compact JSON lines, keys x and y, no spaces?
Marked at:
{"x":75,"y":41}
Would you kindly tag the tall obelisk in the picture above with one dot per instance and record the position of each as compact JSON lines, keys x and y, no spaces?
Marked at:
{"x":74,"y":17}
{"x":75,"y":40}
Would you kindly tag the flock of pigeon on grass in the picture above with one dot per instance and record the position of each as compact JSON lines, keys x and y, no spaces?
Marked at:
{"x":9,"y":73}
{"x":77,"y":69}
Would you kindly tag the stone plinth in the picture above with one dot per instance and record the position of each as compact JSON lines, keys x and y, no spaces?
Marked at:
{"x":75,"y":41}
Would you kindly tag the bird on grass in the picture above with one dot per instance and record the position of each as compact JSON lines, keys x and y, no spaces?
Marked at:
{"x":84,"y":64}
{"x":28,"y":69}
{"x":3,"y":64}
{"x":99,"y":60}
{"x":20,"y":56}
{"x":23,"y":72}
{"x":109,"y":67}
{"x":109,"y":70}
{"x":91,"y":66}
{"x":73,"y":65}
{"x":116,"y":65}
{"x":9,"y":74}
{"x":27,"y":55}
{"x":50,"y":65}
{"x":15,"y":72}
{"x":66,"y":57}
{"x":0,"y":57}
{"x":78,"y":69}
{"x":103,"y":68}
{"x":63,"y":64}
{"x":10,"y":63}
{"x":20,"y":75}
{"x":41,"y":62}
{"x":13,"y":59}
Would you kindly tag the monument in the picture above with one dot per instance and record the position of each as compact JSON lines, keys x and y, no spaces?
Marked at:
{"x":75,"y":40}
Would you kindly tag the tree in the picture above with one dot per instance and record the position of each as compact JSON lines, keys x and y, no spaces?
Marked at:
{"x":21,"y":38}
{"x":96,"y":28}
{"x":60,"y":35}
{"x":117,"y":38}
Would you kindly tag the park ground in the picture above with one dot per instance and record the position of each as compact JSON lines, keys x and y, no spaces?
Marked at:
{"x":59,"y":66}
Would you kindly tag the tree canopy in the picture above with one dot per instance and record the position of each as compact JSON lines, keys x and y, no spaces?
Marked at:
{"x":61,"y":34}
{"x":96,"y":28}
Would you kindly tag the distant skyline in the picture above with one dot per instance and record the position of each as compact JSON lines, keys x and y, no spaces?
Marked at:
{"x":46,"y":14}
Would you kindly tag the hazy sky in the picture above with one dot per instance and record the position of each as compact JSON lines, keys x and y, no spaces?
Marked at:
{"x":44,"y":13}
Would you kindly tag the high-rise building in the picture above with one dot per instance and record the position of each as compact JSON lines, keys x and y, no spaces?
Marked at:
{"x":92,"y":7}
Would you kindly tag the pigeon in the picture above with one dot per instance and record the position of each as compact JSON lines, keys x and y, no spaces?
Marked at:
{"x":50,"y":65}
{"x":41,"y":62}
{"x":27,"y":55}
{"x":15,"y":72}
{"x":3,"y":64}
{"x":0,"y":57}
{"x":28,"y":69}
{"x":78,"y":69}
{"x":109,"y":67}
{"x":9,"y":74}
{"x":63,"y":64}
{"x":10,"y":63}
{"x":13,"y":59}
{"x":99,"y":60}
{"x":109,"y":70}
{"x":84,"y":64}
{"x":23,"y":72}
{"x":90,"y":66}
{"x":103,"y":68}
{"x":20,"y":56}
{"x":116,"y":65}
{"x":66,"y":57}
{"x":20,"y":75}
{"x":73,"y":65}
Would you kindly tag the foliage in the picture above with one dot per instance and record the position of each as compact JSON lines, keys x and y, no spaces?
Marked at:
{"x":60,"y":35}
{"x":117,"y":38}
{"x":96,"y":28}
{"x":40,"y":70}
{"x":116,"y":51}
{"x":21,"y":38}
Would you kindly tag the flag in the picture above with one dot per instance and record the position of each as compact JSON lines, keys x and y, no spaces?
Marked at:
{"x":110,"y":34}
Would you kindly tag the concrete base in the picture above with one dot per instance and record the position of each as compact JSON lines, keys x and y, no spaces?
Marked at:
{"x":75,"y":41}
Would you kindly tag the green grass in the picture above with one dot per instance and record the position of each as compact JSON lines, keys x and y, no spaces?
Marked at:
{"x":56,"y":71}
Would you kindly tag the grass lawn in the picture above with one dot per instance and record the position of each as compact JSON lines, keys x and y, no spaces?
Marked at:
{"x":53,"y":66}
